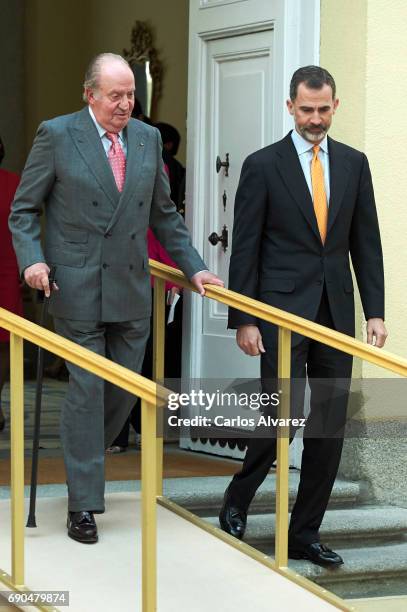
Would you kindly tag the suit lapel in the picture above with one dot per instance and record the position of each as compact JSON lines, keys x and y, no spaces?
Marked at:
{"x":135,"y":156}
{"x":338,"y":177}
{"x":89,"y":145}
{"x":134,"y":161}
{"x":293,"y":176}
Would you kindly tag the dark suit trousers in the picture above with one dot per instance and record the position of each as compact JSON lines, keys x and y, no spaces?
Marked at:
{"x":329,"y":372}
{"x":94,"y":411}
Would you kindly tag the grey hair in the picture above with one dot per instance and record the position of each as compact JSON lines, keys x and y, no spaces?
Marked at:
{"x":93,"y":71}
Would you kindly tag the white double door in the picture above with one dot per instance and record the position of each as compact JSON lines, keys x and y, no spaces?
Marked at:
{"x":242,"y":54}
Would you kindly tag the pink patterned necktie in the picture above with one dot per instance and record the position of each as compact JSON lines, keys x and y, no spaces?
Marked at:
{"x":117,"y":160}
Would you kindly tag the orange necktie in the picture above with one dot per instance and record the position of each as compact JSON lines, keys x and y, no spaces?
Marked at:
{"x":318,"y":193}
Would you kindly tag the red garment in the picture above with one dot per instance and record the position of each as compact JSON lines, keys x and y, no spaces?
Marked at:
{"x":156,"y":251}
{"x":10,"y":291}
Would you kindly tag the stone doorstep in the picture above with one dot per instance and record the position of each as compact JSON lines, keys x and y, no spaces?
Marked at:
{"x":205,"y":495}
{"x":367,"y":525}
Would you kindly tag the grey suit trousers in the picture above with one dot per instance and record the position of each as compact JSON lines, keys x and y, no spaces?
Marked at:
{"x":94,"y":411}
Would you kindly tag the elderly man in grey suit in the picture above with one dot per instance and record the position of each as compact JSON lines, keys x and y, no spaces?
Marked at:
{"x":101,"y":177}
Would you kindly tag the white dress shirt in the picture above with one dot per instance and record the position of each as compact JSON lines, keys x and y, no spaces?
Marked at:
{"x":105,"y":140}
{"x":305,"y":155}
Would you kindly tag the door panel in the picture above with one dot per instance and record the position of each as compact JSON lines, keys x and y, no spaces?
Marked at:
{"x":241,"y":57}
{"x":238,"y":85}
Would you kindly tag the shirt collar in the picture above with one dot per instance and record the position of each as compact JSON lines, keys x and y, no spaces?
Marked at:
{"x":302,"y":145}
{"x":101,"y":130}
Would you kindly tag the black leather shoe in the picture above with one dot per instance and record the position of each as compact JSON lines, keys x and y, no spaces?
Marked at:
{"x":232,"y":519}
{"x":317,"y":553}
{"x":82,"y":527}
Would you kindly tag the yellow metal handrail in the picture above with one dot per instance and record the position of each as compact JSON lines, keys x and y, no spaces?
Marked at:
{"x":287,"y":323}
{"x":153,"y":395}
{"x":82,"y":357}
{"x":281,"y":318}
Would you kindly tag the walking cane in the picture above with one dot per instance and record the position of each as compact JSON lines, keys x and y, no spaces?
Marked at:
{"x":37,"y":419}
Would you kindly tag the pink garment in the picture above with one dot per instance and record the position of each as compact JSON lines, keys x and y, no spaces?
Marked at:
{"x":117,"y":160}
{"x":156,"y":251}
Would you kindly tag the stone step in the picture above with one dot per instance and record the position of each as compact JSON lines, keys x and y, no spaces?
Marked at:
{"x":347,"y":528}
{"x":204,"y":496}
{"x":371,"y":539}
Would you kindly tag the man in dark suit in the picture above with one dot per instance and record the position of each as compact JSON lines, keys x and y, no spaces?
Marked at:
{"x":302,"y":206}
{"x":101,"y":176}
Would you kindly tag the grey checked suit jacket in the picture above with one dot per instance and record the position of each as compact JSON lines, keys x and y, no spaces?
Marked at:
{"x":95,"y":235}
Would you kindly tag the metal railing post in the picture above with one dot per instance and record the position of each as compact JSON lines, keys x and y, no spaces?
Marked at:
{"x":158,"y":365}
{"x":17,"y":458}
{"x":283,"y":445}
{"x":149,"y":506}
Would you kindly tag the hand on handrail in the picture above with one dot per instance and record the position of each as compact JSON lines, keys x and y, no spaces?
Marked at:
{"x":205,"y":278}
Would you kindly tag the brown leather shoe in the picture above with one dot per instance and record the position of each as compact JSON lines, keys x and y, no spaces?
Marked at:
{"x":82,"y":527}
